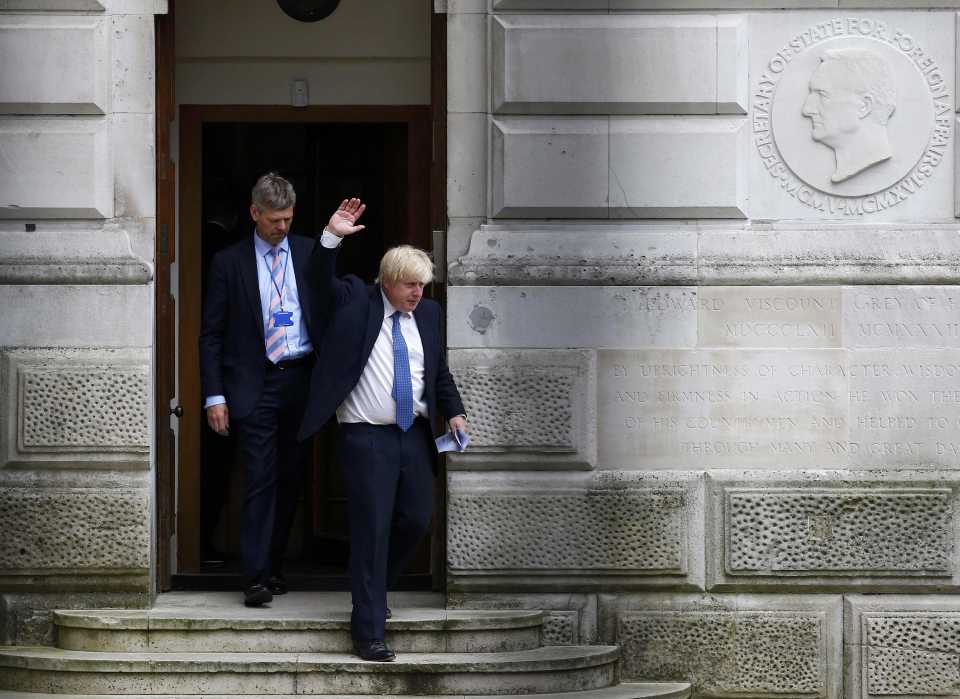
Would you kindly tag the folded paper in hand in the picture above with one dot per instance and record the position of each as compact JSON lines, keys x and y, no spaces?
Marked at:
{"x":453,"y":441}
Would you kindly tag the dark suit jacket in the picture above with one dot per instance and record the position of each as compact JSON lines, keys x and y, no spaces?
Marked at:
{"x":352,"y":313}
{"x":232,"y":353}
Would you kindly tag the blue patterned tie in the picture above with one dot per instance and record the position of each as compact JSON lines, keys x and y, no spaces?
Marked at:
{"x":402,"y":388}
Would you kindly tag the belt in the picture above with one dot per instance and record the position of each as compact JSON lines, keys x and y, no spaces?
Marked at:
{"x":285,"y":364}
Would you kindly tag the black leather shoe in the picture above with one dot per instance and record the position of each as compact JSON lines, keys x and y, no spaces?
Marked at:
{"x":255,"y":595}
{"x":376,"y":651}
{"x":389,"y":613}
{"x":277,"y":584}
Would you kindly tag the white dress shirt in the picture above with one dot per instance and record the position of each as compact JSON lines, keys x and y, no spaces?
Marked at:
{"x":370,"y":401}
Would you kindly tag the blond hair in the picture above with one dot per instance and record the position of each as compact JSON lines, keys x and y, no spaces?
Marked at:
{"x":406,"y":263}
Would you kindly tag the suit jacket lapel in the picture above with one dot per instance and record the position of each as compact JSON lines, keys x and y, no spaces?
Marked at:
{"x":300,"y":259}
{"x":425,"y":327}
{"x":248,"y":275}
{"x":374,"y":321}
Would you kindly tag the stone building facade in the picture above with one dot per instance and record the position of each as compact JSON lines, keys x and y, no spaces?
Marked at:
{"x":702,"y":304}
{"x":709,"y":335}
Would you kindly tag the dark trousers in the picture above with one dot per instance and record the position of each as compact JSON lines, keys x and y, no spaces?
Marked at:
{"x":274,"y":466}
{"x":388,"y":476}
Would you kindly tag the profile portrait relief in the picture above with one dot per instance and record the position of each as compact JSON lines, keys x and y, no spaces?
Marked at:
{"x":852,"y":97}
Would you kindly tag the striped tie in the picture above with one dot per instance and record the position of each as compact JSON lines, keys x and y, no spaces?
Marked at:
{"x":402,"y":388}
{"x":276,"y":338}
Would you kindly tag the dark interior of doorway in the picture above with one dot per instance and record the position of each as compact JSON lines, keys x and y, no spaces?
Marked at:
{"x":326,"y":162}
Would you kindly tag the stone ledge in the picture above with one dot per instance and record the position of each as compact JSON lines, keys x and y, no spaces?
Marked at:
{"x":69,"y":256}
{"x":600,"y":253}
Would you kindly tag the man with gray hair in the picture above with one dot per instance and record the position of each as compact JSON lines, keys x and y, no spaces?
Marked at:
{"x":852,"y":97}
{"x":383,"y":372}
{"x":256,"y":356}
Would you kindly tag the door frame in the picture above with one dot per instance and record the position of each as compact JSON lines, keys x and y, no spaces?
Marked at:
{"x":192,"y":118}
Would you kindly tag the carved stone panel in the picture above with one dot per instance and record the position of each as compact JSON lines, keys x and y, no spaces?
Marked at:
{"x":535,"y":528}
{"x":56,"y":168}
{"x":726,"y":646}
{"x":883,"y":163}
{"x":72,"y":530}
{"x":76,"y":407}
{"x":533,"y":409}
{"x":54,"y":65}
{"x":624,"y":64}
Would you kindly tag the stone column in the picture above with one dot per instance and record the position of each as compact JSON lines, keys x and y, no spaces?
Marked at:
{"x":703,"y":307}
{"x":77,"y":219}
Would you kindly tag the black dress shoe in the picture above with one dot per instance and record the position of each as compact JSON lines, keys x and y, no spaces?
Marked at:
{"x":256,"y":594}
{"x":277,"y":584}
{"x":376,"y":651}
{"x":389,"y":613}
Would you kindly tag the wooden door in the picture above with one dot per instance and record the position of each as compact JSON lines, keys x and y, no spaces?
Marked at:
{"x":164,"y":301}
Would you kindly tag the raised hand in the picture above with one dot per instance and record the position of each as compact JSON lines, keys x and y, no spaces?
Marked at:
{"x":345,"y":217}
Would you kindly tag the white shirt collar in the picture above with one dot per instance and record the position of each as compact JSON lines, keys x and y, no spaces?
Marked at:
{"x":388,"y":309}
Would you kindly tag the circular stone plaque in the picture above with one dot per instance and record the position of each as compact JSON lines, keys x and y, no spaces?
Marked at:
{"x":907,"y":128}
{"x":852,"y":116}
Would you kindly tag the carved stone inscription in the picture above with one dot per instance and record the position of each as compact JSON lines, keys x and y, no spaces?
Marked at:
{"x":901,"y":316}
{"x":905,"y":407}
{"x":721,"y":408}
{"x":770,"y":317}
{"x":852,"y":115}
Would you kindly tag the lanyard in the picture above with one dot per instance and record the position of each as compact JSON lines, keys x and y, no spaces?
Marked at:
{"x":283,"y":277}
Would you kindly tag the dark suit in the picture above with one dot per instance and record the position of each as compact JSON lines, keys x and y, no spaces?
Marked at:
{"x":388,"y":473}
{"x":265,"y":402}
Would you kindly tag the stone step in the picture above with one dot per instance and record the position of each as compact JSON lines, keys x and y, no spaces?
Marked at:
{"x":242,"y":630}
{"x":634,"y":690}
{"x":542,"y":670}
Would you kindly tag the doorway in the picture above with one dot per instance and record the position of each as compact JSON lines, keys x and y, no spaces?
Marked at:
{"x":328,"y":153}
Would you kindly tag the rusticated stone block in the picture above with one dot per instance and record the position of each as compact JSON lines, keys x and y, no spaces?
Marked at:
{"x":900,"y":645}
{"x":56,"y":168}
{"x":911,"y":655}
{"x":729,"y":646}
{"x":54,"y":64}
{"x":838,"y":532}
{"x":755,"y":652}
{"x":74,"y":529}
{"x":76,"y":406}
{"x":816,"y":531}
{"x":560,"y":628}
{"x":624,"y":64}
{"x":615,"y":530}
{"x":83,"y":409}
{"x":535,"y":529}
{"x":527,"y":408}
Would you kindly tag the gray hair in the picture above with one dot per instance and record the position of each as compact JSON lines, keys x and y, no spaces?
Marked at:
{"x":406,"y":263}
{"x":273,"y":193}
{"x":868,"y":73}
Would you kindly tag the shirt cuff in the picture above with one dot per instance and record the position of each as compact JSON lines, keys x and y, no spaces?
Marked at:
{"x":330,"y":240}
{"x":214,"y":400}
